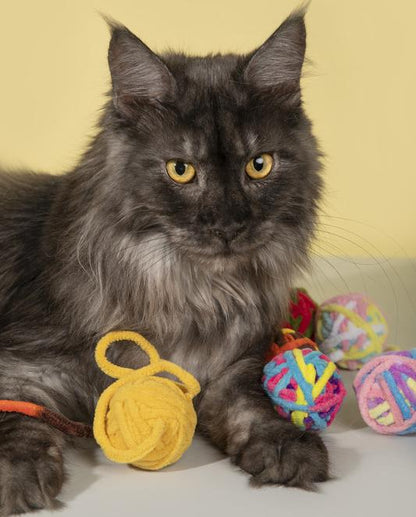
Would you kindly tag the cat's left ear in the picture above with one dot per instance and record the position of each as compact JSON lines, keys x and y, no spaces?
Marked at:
{"x":277,"y":64}
{"x":137,"y":73}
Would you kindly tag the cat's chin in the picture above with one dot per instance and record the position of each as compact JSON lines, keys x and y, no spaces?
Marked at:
{"x":225,"y":256}
{"x":221,"y":263}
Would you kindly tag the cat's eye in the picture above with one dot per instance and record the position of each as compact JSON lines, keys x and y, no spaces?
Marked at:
{"x":260,"y":166}
{"x":180,"y":171}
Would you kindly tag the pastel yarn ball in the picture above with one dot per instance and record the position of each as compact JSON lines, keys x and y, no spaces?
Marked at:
{"x":386,"y":392}
{"x":147,"y":422}
{"x":350,"y":329}
{"x":305,"y":388}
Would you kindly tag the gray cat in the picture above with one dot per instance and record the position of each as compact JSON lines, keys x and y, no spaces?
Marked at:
{"x":186,"y":220}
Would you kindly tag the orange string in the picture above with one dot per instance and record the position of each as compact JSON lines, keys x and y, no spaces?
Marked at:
{"x":25,"y":408}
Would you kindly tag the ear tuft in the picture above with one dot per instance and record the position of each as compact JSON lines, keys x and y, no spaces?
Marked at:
{"x":137,"y":73}
{"x":277,"y":64}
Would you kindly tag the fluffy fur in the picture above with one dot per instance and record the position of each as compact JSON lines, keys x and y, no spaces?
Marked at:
{"x":202,"y":270}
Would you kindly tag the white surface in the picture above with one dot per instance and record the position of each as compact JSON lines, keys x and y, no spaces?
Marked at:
{"x":374,"y":475}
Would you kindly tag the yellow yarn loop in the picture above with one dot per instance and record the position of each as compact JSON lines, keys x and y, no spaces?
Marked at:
{"x":143,"y":419}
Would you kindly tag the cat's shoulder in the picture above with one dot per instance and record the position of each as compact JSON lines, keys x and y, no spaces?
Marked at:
{"x":25,"y":201}
{"x":22,"y":184}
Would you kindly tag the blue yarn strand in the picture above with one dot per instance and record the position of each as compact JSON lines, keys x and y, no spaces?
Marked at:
{"x":398,"y":397}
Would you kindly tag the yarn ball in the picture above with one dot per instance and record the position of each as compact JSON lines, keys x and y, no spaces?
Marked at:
{"x":302,"y":312}
{"x":350,"y":329}
{"x":386,"y":392}
{"x":305,"y":387}
{"x":144,"y":419}
{"x":148,"y":422}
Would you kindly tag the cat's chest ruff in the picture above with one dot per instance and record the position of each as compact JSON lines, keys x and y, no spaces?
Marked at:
{"x":208,"y":356}
{"x":202,"y":319}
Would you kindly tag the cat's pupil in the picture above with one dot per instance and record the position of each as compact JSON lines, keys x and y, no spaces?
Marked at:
{"x":258,"y":163}
{"x":180,"y":168}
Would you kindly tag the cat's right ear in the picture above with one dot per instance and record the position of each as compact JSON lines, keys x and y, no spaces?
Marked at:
{"x":137,"y":74}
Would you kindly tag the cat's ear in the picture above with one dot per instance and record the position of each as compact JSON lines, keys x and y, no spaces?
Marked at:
{"x":137,"y":73}
{"x":277,"y":64}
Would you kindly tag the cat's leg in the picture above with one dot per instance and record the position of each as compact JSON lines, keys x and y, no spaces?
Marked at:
{"x":31,"y":465}
{"x":31,"y":452}
{"x":236,"y":414}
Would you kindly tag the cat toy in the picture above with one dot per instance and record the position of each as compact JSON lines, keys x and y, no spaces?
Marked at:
{"x":386,"y":392}
{"x":302,"y":383}
{"x":142,"y":419}
{"x":302,"y":313}
{"x":48,"y":416}
{"x":351,"y":330}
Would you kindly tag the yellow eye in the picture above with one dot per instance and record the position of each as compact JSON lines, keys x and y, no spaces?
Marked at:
{"x":260,"y":166}
{"x":180,"y":171}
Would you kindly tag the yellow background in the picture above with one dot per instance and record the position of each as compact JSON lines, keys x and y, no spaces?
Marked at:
{"x":360,"y":93}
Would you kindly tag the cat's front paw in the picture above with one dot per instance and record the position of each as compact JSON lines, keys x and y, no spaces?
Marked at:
{"x":31,"y":476}
{"x":284,"y":457}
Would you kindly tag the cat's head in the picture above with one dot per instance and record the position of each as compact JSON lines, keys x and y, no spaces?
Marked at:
{"x":215,"y":153}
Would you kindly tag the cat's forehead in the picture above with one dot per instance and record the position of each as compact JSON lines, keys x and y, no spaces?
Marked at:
{"x":212,"y":105}
{"x":211,"y":143}
{"x":208,"y":71}
{"x":207,"y":84}
{"x":214,"y":132}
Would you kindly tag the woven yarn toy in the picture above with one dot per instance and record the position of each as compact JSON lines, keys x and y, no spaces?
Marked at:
{"x":303,"y":384}
{"x":350,"y":329}
{"x":48,"y":416}
{"x":302,"y":312}
{"x":386,"y":392}
{"x":141,"y":419}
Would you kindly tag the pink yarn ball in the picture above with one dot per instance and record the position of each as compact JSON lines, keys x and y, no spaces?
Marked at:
{"x":386,"y":392}
{"x":350,"y":329}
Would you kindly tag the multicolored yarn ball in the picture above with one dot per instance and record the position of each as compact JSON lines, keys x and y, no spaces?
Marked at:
{"x":303,"y":384}
{"x":386,"y":392}
{"x":350,"y":329}
{"x":302,"y":312}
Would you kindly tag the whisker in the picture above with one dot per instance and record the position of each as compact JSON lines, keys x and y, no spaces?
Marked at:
{"x":385,"y":260}
{"x":381,"y":265}
{"x":170,"y":251}
{"x":141,"y":243}
{"x":341,"y":258}
{"x":334,"y":268}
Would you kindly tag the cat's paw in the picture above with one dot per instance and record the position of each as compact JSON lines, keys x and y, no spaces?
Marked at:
{"x":31,"y":476}
{"x":287,"y":457}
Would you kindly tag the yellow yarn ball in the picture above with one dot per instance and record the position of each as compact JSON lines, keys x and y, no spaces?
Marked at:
{"x":143,"y":419}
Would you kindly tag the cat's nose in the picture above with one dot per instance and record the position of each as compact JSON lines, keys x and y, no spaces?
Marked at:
{"x":228,"y":233}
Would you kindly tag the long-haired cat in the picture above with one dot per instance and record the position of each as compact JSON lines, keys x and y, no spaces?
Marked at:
{"x":185,"y":220}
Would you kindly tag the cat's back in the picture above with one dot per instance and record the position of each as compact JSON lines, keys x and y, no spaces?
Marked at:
{"x":25,"y":194}
{"x":25,"y":202}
